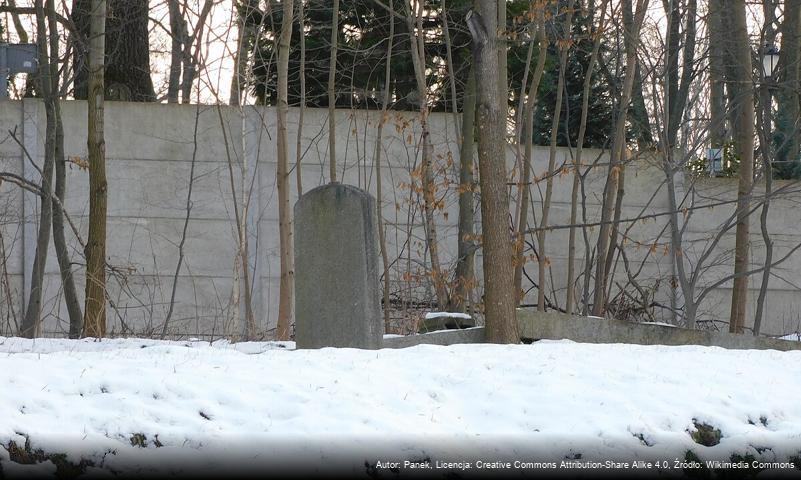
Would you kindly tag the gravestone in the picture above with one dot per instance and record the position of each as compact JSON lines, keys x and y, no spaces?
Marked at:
{"x":337,"y":299}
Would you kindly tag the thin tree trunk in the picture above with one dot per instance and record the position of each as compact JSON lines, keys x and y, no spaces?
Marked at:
{"x":429,"y":189}
{"x":525,"y":180}
{"x":499,"y":297}
{"x":95,"y":306}
{"x":764,"y":142}
{"x":788,"y":137}
{"x":632,"y":23}
{"x":243,"y":40}
{"x":717,"y":98}
{"x":177,"y":39}
{"x":382,"y":236}
{"x":31,"y":323}
{"x":187,"y":217}
{"x":332,"y":95}
{"x":59,"y":240}
{"x":740,"y":82}
{"x":585,"y":101}
{"x":18,"y":26}
{"x":465,"y":270}
{"x":542,"y":260}
{"x":287,"y":285}
{"x":302,"y":107}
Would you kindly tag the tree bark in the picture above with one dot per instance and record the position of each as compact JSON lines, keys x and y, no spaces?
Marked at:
{"x":767,"y":165}
{"x":499,"y":298}
{"x":417,"y":50}
{"x":127,"y":51}
{"x":788,"y":138}
{"x":302,"y":106}
{"x":585,"y":102}
{"x":287,"y":284}
{"x":525,"y":180}
{"x":738,"y":50}
{"x":542,"y":261}
{"x":332,"y":96}
{"x":59,"y":240}
{"x":465,"y":270}
{"x":177,"y":38}
{"x":377,"y":162}
{"x":95,"y":306}
{"x":31,"y":323}
{"x":632,"y":23}
{"x":717,"y":97}
{"x":246,"y":35}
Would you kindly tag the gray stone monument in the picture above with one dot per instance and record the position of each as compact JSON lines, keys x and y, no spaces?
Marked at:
{"x":337,"y":298}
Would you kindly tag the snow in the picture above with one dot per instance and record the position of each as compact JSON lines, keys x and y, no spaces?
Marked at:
{"x":214,"y":407}
{"x":793,"y":336}
{"x":431,"y":315}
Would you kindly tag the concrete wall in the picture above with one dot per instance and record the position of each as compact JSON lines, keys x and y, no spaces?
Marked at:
{"x":150,"y":150}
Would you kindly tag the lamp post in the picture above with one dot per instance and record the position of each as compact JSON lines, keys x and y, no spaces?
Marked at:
{"x":769,"y":54}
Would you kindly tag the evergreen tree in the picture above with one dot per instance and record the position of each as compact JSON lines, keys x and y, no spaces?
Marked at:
{"x":599,"y":119}
{"x":362,"y":47}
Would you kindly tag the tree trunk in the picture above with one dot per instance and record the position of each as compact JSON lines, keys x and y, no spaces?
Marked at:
{"x":377,"y":162}
{"x":246,"y":36}
{"x":95,"y":306}
{"x":499,"y":298}
{"x":717,"y":97}
{"x":767,"y":165}
{"x":127,"y":51}
{"x":542,"y":260}
{"x":287,"y":285}
{"x":787,"y":118}
{"x":332,"y":94}
{"x":632,"y":23}
{"x":465,"y":270}
{"x":738,"y":50}
{"x":59,"y":240}
{"x":525,"y":180}
{"x":177,"y":39}
{"x":31,"y":323}
{"x":302,"y":107}
{"x":417,"y":50}
{"x":585,"y":102}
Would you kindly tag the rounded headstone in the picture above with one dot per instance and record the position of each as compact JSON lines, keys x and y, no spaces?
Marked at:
{"x":337,"y":298}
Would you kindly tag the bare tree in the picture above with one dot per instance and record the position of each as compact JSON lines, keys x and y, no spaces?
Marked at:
{"x":332,"y":94}
{"x":382,"y":236}
{"x":739,"y":83}
{"x":31,"y":323}
{"x":414,"y":25}
{"x":499,"y":297}
{"x":632,"y":21}
{"x":95,"y":306}
{"x":542,"y":260}
{"x":287,"y":292}
{"x":528,"y":135}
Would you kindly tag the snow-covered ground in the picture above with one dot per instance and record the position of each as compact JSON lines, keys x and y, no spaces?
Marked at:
{"x":132,"y":405}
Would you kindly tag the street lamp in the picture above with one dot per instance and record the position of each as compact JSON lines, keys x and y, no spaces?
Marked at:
{"x":770,"y":57}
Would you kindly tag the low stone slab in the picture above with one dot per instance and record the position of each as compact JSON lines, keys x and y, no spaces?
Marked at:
{"x":445,"y":320}
{"x":442,"y":337}
{"x":536,"y":325}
